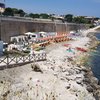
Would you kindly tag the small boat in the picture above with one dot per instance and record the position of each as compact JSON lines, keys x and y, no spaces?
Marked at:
{"x":81,"y":49}
{"x":66,"y":45}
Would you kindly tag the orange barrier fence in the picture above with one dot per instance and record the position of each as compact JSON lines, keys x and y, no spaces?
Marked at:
{"x":44,"y":44}
{"x":55,"y":38}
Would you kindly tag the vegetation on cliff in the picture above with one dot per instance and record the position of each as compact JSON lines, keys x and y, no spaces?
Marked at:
{"x":64,"y":18}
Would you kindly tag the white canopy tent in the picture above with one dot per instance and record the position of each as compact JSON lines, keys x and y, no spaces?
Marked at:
{"x":42,"y":32}
{"x":29,"y":33}
{"x":32,"y":35}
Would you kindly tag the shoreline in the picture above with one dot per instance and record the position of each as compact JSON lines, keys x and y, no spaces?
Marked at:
{"x":58,"y":78}
{"x":92,"y":81}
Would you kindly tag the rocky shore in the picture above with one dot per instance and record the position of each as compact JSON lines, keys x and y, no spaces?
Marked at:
{"x":91,"y":81}
{"x":61,"y":77}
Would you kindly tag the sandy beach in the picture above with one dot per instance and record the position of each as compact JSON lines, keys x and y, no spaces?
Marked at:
{"x":57,"y":78}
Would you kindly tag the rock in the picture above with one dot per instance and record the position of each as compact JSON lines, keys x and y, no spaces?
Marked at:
{"x":1,"y":82}
{"x":89,"y":88}
{"x":68,"y":86}
{"x":79,"y":81}
{"x":86,"y":80}
{"x":36,"y":68}
{"x":94,"y":80}
{"x":6,"y":93}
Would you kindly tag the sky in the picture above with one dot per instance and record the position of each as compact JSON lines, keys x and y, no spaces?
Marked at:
{"x":61,"y":7}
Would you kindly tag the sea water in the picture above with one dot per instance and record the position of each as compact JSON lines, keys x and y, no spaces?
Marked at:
{"x":95,"y":60}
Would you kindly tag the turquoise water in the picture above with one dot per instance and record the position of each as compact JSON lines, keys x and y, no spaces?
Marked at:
{"x":95,"y":60}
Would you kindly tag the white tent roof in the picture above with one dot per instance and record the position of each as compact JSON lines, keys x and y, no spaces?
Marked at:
{"x":42,"y":32}
{"x":29,"y":33}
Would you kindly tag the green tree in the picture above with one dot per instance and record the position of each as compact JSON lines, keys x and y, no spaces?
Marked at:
{"x":15,"y":11}
{"x":31,"y":15}
{"x":44,"y":16}
{"x":68,"y":17}
{"x":81,"y":19}
{"x":34,"y":15}
{"x":11,"y":11}
{"x":76,"y":20}
{"x":21,"y":12}
{"x":8,"y":12}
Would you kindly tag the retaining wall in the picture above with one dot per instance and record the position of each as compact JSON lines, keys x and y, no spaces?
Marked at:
{"x":13,"y":27}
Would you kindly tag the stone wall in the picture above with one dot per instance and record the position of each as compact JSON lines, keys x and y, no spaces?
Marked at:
{"x":14,"y":27}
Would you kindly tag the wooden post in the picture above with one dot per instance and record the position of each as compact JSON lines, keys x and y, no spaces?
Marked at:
{"x":16,"y":60}
{"x":23,"y":58}
{"x":29,"y":58}
{"x":7,"y":60}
